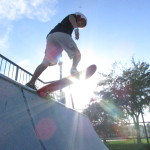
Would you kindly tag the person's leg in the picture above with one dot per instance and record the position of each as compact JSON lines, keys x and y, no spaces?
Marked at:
{"x":68,"y":44}
{"x":37,"y":73}
{"x":50,"y":59}
{"x":75,"y":62}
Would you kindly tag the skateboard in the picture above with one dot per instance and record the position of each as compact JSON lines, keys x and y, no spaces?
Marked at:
{"x":59,"y":84}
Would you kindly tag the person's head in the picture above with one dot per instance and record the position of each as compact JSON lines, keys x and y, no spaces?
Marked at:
{"x":81,"y":20}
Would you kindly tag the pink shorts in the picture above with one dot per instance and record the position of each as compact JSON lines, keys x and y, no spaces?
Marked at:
{"x":56,"y":43}
{"x":52,"y":54}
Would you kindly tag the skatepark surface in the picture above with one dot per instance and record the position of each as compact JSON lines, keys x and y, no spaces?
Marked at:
{"x":29,"y":122}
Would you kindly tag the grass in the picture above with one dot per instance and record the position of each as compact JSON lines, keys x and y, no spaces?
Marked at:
{"x":129,"y":144}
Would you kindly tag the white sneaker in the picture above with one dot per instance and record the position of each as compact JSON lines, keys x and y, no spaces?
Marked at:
{"x":31,"y":86}
{"x":74,"y":71}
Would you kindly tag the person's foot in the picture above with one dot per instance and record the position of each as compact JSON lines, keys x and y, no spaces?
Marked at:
{"x":31,"y":86}
{"x":74,"y":71}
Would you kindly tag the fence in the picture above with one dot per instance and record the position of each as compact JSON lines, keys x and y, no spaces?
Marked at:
{"x":15,"y":72}
{"x":124,"y":137}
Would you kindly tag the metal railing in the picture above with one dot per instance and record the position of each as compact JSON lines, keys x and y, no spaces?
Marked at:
{"x":20,"y":75}
{"x":15,"y":72}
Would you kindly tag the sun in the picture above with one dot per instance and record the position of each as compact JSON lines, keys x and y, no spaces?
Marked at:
{"x":80,"y":92}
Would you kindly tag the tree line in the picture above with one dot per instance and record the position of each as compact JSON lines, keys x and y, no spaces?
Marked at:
{"x":122,"y":93}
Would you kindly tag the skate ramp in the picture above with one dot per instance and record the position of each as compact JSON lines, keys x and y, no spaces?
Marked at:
{"x":28,"y":122}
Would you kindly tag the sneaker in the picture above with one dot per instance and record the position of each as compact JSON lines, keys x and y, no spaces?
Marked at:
{"x":74,"y":71}
{"x":32,"y":86}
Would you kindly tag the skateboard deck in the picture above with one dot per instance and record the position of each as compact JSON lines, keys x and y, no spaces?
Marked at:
{"x":59,"y":84}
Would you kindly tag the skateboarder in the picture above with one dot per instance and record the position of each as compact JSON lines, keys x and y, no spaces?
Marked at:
{"x":59,"y":39}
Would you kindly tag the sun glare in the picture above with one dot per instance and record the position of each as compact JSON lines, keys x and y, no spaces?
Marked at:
{"x":81,"y":91}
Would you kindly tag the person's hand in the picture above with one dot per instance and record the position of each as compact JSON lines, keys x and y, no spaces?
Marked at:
{"x":76,"y":33}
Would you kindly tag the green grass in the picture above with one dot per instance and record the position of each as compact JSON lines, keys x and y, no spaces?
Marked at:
{"x":127,"y":145}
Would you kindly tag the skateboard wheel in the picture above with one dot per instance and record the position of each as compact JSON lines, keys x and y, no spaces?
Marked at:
{"x":43,"y":94}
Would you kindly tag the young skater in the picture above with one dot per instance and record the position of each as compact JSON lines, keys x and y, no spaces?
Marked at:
{"x":59,"y":39}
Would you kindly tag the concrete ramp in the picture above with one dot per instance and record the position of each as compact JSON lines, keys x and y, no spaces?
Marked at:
{"x":28,"y":122}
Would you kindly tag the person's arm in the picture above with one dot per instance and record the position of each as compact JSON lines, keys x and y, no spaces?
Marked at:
{"x":75,"y":26}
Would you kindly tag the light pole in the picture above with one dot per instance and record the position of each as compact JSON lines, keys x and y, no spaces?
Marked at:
{"x":62,"y":95}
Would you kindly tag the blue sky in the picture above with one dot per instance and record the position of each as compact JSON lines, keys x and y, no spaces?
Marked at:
{"x":117,"y":30}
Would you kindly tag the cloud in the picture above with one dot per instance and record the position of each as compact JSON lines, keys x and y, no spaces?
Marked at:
{"x":11,"y":10}
{"x":33,"y":9}
{"x":4,"y":35}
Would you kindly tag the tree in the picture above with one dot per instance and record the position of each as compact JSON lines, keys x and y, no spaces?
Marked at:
{"x":104,"y":121}
{"x":129,"y":91}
